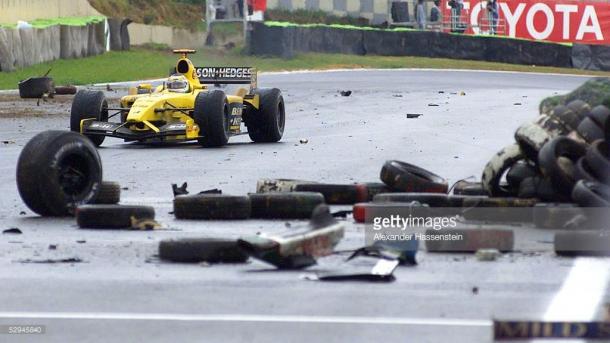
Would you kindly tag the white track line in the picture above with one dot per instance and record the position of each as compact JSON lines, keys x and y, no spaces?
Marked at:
{"x":247,"y":318}
{"x":582,"y":291}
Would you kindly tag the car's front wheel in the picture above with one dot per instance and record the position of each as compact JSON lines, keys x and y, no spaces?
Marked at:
{"x":212,"y":115}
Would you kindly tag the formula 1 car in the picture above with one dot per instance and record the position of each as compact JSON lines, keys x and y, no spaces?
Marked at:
{"x":185,"y":108}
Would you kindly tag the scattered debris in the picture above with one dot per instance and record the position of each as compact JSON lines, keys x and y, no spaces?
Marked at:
{"x":52,"y":246}
{"x":8,"y":142}
{"x":487,"y":254}
{"x":13,"y":231}
{"x":179,"y":190}
{"x":346,"y":93}
{"x":517,"y":104}
{"x":475,"y":290}
{"x":304,"y":141}
{"x":414,"y":115}
{"x":360,"y":268}
{"x":297,"y":249}
{"x":397,"y":95}
{"x":62,"y":260}
{"x":144,"y":224}
{"x":462,"y":93}
{"x":432,"y":104}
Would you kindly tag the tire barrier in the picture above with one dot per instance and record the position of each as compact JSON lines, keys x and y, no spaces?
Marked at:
{"x":288,"y":40}
{"x":28,"y":46}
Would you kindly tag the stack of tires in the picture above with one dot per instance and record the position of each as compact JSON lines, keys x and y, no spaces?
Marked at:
{"x":562,"y":156}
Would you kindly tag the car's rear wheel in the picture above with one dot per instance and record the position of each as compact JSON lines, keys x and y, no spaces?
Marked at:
{"x":267,"y":123}
{"x":89,"y":105}
{"x":212,"y":115}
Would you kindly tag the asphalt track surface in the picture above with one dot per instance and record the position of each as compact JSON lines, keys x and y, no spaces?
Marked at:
{"x":122,"y":292}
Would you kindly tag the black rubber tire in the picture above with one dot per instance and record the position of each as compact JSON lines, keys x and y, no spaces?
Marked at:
{"x":212,"y":116}
{"x":267,"y":124}
{"x":111,"y":216}
{"x":590,"y":131}
{"x":583,"y":171}
{"x":109,"y":194}
{"x":468,"y":188}
{"x":212,"y":206}
{"x":519,"y":172}
{"x":430,"y":199}
{"x":599,"y":115}
{"x":580,"y":109}
{"x":36,"y":87}
{"x":65,"y":90}
{"x":57,"y":171}
{"x":495,"y":169}
{"x":87,"y":105}
{"x":591,"y":194}
{"x":294,"y":205}
{"x":335,"y":194}
{"x":566,"y":116}
{"x":554,"y":215}
{"x":551,"y":166}
{"x":582,"y":243}
{"x":405,"y":177}
{"x":540,"y":188}
{"x":196,"y":250}
{"x":598,"y":159}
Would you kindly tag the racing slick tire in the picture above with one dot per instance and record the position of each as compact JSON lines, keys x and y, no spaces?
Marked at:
{"x":266,"y":125}
{"x":196,"y":250}
{"x":495,"y":169}
{"x":598,"y":159}
{"x":212,"y":115}
{"x":57,"y":171}
{"x":294,"y":205}
{"x":109,"y":194}
{"x":404,"y":177}
{"x":212,"y":206}
{"x":88,"y":105}
{"x":551,"y":159}
{"x":111,"y":216}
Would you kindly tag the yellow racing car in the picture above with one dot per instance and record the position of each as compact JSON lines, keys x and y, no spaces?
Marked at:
{"x":185,"y":108}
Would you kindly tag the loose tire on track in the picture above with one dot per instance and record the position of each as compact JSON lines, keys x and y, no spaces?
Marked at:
{"x":294,"y":205}
{"x":267,"y":124}
{"x":212,"y":206}
{"x":111,"y":216}
{"x":109,"y":194}
{"x":88,"y":105}
{"x":195,"y":250}
{"x":405,"y":177}
{"x":36,"y":87}
{"x":58,"y":171}
{"x":212,"y":116}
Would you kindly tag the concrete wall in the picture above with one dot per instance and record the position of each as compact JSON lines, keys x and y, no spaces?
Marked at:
{"x":13,"y":10}
{"x":376,"y":11}
{"x":140,"y":34}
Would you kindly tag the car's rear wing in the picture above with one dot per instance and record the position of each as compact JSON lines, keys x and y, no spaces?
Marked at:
{"x":227,"y":75}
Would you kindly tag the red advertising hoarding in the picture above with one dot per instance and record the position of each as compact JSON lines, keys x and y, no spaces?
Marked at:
{"x":586,"y":22}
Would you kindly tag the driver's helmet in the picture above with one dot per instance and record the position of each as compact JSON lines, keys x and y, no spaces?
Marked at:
{"x":178,"y":84}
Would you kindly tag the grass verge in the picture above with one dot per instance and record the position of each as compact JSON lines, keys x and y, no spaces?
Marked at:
{"x":140,"y":63}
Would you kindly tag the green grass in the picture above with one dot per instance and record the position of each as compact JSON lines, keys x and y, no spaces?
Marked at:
{"x":140,"y":64}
